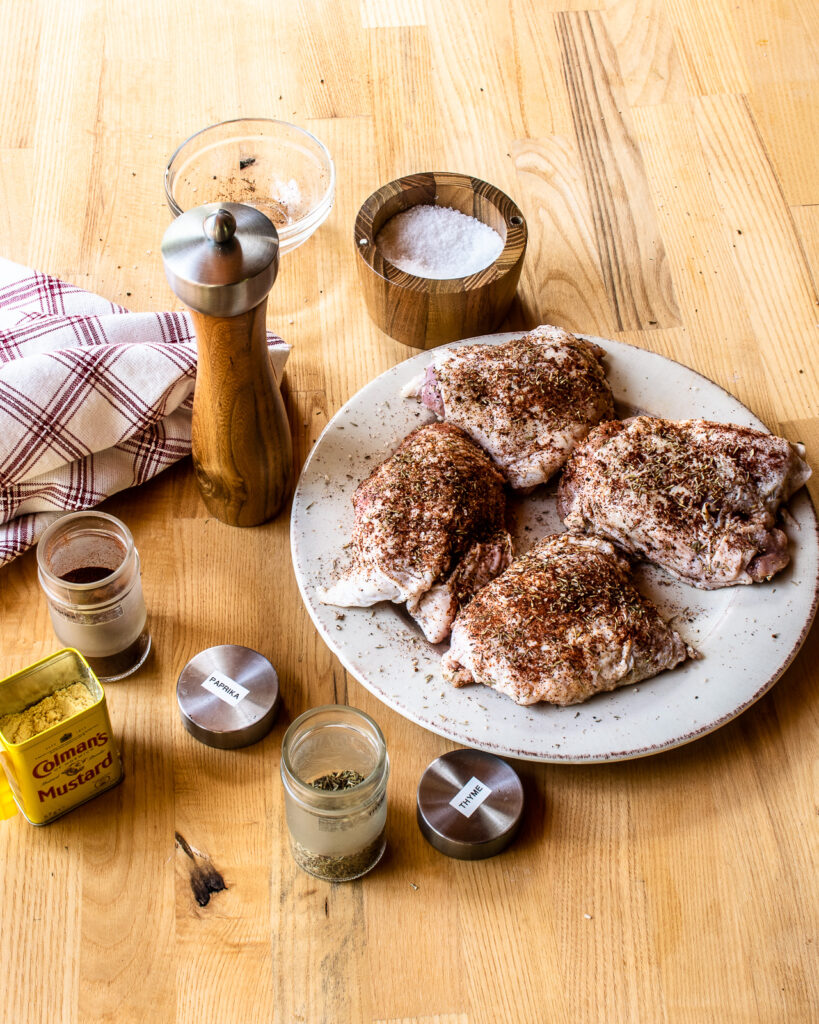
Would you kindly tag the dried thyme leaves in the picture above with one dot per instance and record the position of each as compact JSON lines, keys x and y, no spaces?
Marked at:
{"x":536,"y":611}
{"x":524,"y":380}
{"x":333,"y":781}
{"x":339,"y":869}
{"x":690,"y":472}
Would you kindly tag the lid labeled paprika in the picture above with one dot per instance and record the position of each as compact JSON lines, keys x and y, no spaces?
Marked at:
{"x":228,"y":696}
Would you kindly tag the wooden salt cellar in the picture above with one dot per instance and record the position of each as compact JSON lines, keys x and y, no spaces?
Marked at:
{"x":423,"y":312}
{"x":221,"y":260}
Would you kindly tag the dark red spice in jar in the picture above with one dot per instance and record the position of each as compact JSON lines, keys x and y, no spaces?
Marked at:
{"x":89,"y":570}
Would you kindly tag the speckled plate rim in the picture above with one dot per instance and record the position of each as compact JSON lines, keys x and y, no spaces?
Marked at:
{"x":804,"y":570}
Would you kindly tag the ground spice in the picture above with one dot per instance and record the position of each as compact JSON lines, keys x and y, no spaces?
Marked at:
{"x":57,"y":707}
{"x":280,"y":201}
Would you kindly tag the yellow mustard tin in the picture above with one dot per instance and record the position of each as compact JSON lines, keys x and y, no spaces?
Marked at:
{"x":70,"y":762}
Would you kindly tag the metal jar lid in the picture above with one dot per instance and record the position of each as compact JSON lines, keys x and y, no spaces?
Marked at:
{"x":221,"y":258}
{"x":470,"y":804}
{"x":228,"y":696}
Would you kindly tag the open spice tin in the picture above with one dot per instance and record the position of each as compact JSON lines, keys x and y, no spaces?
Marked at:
{"x":67,"y":764}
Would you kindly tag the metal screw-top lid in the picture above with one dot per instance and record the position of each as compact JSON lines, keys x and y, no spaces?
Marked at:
{"x":228,"y":696}
{"x":221,"y":258}
{"x":469,"y":804}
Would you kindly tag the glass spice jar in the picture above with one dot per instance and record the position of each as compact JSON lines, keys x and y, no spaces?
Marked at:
{"x":334,"y":768}
{"x":89,"y":571}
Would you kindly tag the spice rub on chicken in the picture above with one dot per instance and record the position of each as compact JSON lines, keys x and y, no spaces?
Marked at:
{"x":695,"y":497}
{"x":428,"y":529}
{"x":562,"y":623}
{"x":528,"y":402}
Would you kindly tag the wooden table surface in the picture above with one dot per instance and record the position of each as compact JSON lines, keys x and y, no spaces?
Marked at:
{"x":664,"y":153}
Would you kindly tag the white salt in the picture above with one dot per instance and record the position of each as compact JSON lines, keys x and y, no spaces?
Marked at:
{"x":438,"y":242}
{"x":287,"y":193}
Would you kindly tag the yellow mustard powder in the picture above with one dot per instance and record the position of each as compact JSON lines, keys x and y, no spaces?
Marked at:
{"x":57,"y":707}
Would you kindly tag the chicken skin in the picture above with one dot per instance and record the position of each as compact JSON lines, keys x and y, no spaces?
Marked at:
{"x":528,"y":402}
{"x":562,"y":623}
{"x":428,"y":529}
{"x":695,"y":497}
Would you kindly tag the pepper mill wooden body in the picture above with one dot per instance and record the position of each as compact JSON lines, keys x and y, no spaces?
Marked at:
{"x":221,"y":260}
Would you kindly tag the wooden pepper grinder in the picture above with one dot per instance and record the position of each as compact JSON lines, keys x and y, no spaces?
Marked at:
{"x":221,"y":260}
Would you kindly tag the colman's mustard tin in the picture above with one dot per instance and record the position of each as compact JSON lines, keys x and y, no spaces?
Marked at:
{"x":67,"y":763}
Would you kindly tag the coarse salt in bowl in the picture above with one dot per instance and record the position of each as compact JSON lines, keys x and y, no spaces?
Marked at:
{"x":279,"y":168}
{"x":434,"y":298}
{"x":438,"y":242}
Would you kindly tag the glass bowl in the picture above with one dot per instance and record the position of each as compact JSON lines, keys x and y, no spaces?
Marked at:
{"x":277,"y":167}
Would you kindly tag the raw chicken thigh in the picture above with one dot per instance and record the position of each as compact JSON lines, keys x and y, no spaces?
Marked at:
{"x":695,"y":497}
{"x":428,"y":529}
{"x":562,"y":623}
{"x":528,"y":402}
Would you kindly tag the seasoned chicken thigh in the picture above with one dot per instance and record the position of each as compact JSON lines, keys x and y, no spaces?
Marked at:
{"x":428,"y":529}
{"x":527,"y":402}
{"x":695,"y":497}
{"x":562,"y":623}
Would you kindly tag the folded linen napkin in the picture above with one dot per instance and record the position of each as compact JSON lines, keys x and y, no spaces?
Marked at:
{"x":93,"y":399}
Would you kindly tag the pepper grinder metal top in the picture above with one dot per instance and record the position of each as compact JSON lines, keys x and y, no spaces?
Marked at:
{"x":221,"y":260}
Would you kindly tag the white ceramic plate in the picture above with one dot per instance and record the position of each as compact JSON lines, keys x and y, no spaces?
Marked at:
{"x":747,"y":635}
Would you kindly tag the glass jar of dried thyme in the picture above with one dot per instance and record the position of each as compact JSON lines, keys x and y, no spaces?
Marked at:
{"x":334,"y":769}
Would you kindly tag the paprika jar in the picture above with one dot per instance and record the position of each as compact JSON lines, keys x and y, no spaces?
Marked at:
{"x":89,"y":571}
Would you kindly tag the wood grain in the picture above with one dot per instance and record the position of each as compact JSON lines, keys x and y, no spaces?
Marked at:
{"x":563,"y":263}
{"x":240,"y":438}
{"x":18,"y":66}
{"x":650,"y":66}
{"x":508,"y":96}
{"x":392,"y":13}
{"x":700,"y":251}
{"x":752,"y":201}
{"x":447,"y":1018}
{"x":806,"y":219}
{"x":333,"y":57}
{"x":781,"y":49}
{"x":638,"y":137}
{"x":408,"y":133}
{"x":632,"y":255}
{"x":708,"y":46}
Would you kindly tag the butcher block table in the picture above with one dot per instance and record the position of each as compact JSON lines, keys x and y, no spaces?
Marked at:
{"x":664,"y":155}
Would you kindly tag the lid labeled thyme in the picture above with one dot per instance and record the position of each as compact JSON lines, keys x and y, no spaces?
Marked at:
{"x":469,"y":804}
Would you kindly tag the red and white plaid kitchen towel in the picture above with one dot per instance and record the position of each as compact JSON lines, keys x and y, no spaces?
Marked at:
{"x":93,"y":399}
